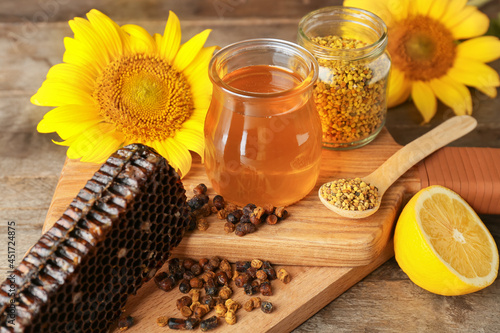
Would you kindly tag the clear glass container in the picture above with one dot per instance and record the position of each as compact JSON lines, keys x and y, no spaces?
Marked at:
{"x":351,"y":91}
{"x":262,"y":130}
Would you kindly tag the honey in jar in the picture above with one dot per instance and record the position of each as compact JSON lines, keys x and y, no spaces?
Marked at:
{"x":262,"y":131}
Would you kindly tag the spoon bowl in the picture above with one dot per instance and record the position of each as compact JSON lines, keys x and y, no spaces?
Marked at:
{"x":390,"y":171}
{"x":352,"y":214}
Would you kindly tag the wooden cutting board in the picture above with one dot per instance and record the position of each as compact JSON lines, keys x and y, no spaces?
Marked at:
{"x":311,"y":289}
{"x":310,"y":240}
{"x":312,"y":235}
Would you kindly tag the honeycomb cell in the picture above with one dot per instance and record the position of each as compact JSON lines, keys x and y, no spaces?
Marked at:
{"x":53,"y":317}
{"x":159,"y":200}
{"x":103,"y":248}
{"x":114,"y":243}
{"x":139,"y":279}
{"x":70,"y":327}
{"x":86,"y":326}
{"x":144,"y":246}
{"x":86,"y":305}
{"x":109,"y":316}
{"x":67,"y":317}
{"x":151,"y":199}
{"x":159,"y":247}
{"x":61,"y":298}
{"x":86,"y":316}
{"x":152,"y":208}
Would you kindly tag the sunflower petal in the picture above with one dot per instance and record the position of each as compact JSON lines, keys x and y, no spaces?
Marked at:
{"x":377,"y":7}
{"x":452,"y":93}
{"x":201,"y":101}
{"x":489,"y":91}
{"x":194,"y":124}
{"x":468,"y":23}
{"x":453,"y":9}
{"x":65,"y":131}
{"x":78,"y":76}
{"x":68,"y":120}
{"x":171,"y":40}
{"x":82,"y":56}
{"x":197,"y":73}
{"x":484,"y":49}
{"x":399,"y":88}
{"x":189,"y":50}
{"x":104,"y":148}
{"x":199,"y":65}
{"x":53,"y":93}
{"x":179,"y":156}
{"x":85,"y":33}
{"x":125,"y":38}
{"x":201,"y":88}
{"x":72,"y":113}
{"x":84,"y":143}
{"x":424,"y":99}
{"x":199,"y":115}
{"x":107,"y":32}
{"x":422,"y":7}
{"x":156,"y":145}
{"x":66,"y":143}
{"x":141,"y":41}
{"x":474,"y":73}
{"x":158,"y":39}
{"x":192,"y":139}
{"x":438,"y":9}
{"x":399,"y":9}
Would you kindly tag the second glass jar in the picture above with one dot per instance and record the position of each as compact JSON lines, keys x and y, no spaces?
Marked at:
{"x":350,"y":94}
{"x":262,"y":130}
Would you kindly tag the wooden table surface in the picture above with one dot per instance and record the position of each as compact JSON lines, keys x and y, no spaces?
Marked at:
{"x":31,"y":41}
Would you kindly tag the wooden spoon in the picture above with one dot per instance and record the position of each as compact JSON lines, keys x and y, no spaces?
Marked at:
{"x":405,"y":158}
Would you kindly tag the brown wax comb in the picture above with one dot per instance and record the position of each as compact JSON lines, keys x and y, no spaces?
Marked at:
{"x":474,"y":173}
{"x":113,"y":237}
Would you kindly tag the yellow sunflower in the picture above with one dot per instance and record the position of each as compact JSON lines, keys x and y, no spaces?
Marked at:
{"x":428,"y":61}
{"x":120,"y":85}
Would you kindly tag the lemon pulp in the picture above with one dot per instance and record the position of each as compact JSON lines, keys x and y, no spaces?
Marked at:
{"x":443,"y":246}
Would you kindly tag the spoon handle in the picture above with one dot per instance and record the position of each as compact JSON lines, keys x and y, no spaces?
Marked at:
{"x":418,"y":149}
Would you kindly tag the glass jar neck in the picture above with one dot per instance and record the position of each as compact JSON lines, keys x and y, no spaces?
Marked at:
{"x":348,"y":22}
{"x":276,"y":53}
{"x":261,"y":107}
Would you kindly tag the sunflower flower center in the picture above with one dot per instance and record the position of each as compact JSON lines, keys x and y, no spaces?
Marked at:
{"x":421,"y":47}
{"x":144,"y":97}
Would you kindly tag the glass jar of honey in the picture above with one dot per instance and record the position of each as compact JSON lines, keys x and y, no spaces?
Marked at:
{"x":262,"y":130}
{"x":350,"y":93}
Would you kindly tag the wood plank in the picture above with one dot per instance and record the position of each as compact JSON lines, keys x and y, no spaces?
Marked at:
{"x":63,"y":10}
{"x":387,"y":301}
{"x":314,"y":234}
{"x":310,"y":290}
{"x":29,"y":222}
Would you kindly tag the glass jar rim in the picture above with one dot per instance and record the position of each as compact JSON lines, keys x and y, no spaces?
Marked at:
{"x":235,"y":48}
{"x":369,"y":50}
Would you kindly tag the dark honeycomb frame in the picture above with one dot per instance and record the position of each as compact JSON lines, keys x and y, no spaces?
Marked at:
{"x":113,"y":237}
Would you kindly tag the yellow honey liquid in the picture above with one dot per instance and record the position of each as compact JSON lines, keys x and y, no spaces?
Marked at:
{"x":263,"y":150}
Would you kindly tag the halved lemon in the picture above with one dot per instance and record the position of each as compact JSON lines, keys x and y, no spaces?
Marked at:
{"x":443,"y":246}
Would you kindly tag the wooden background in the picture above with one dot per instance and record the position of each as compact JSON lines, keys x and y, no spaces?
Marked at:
{"x":31,"y":41}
